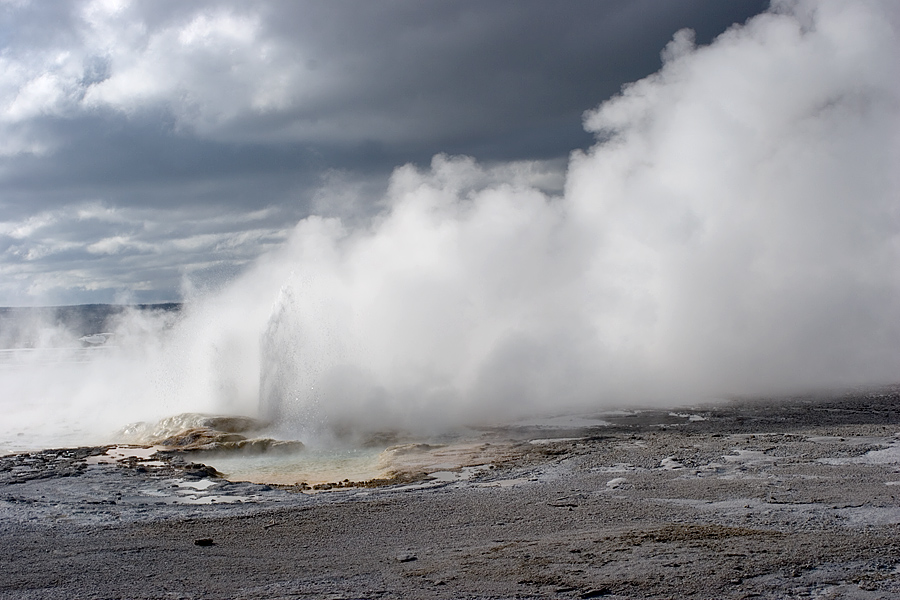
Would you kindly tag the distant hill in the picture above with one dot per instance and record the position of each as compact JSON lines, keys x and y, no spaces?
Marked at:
{"x":24,"y":327}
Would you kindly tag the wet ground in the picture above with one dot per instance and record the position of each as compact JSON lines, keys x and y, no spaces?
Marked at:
{"x":798,"y":498}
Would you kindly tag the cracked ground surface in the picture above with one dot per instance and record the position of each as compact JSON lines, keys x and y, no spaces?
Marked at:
{"x":798,"y":498}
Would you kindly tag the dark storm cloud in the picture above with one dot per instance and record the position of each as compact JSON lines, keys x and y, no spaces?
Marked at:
{"x":509,"y":80}
{"x":159,"y":109}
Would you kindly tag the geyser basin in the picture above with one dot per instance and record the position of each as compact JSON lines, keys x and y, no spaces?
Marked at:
{"x":222,"y":443}
{"x":312,"y":466}
{"x":322,"y":467}
{"x":732,"y":232}
{"x":445,"y":457}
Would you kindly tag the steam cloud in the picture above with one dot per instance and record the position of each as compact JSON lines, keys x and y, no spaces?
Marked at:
{"x":733,"y":231}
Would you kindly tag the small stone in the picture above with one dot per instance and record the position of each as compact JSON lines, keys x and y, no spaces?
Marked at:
{"x":203,"y":542}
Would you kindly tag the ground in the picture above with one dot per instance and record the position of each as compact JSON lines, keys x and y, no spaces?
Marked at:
{"x":795,"y":498}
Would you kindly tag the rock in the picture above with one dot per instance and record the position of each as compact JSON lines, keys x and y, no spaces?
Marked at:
{"x":200,"y":470}
{"x":178,"y":425}
{"x":260,"y":446}
{"x":203,"y":542}
{"x":200,"y":438}
{"x":670,"y":464}
{"x":193,"y":432}
{"x":232,"y":424}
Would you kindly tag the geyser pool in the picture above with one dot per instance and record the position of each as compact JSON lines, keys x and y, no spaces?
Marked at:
{"x":312,"y":466}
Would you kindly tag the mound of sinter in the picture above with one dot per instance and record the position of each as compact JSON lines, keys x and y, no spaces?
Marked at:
{"x":208,"y":433}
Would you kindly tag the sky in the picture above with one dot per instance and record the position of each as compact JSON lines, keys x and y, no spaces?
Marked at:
{"x":422,"y":214}
{"x":152,"y":149}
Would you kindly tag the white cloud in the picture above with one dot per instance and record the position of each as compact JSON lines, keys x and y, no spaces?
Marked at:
{"x":217,"y":66}
{"x":126,"y":248}
{"x":98,"y":211}
{"x":114,"y":245}
{"x":28,"y":227}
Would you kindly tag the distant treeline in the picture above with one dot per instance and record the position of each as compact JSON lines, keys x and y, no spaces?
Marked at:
{"x":22,"y":327}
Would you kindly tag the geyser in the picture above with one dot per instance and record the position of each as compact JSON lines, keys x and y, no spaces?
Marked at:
{"x":734,"y":230}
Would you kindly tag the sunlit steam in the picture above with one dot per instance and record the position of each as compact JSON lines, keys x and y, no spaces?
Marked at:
{"x":733,"y":231}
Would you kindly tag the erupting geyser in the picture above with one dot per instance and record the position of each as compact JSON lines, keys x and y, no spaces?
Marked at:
{"x":280,"y":368}
{"x":735,"y":230}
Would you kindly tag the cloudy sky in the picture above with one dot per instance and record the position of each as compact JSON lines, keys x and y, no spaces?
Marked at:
{"x":150,"y":147}
{"x":435,"y":212}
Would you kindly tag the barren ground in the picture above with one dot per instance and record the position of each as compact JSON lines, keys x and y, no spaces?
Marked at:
{"x":790,"y":499}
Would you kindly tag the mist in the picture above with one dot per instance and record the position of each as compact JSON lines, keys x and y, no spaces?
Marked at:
{"x":733,"y":231}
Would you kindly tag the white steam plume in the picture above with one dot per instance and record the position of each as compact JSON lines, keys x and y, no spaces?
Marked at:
{"x":733,"y":231}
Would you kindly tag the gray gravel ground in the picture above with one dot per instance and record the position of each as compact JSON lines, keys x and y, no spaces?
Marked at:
{"x":790,"y":499}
